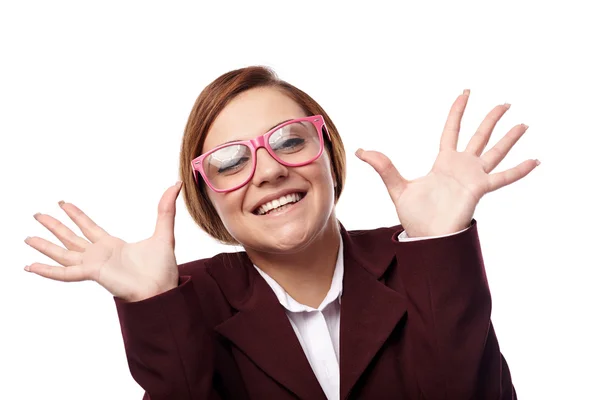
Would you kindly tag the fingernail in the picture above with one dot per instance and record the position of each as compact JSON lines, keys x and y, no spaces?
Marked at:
{"x":525,"y":126}
{"x":36,"y":215}
{"x":27,"y":238}
{"x":26,"y":268}
{"x":178,"y":184}
{"x":507,"y":105}
{"x":537,"y":162}
{"x":60,"y":203}
{"x":467,"y":91}
{"x":359,"y":152}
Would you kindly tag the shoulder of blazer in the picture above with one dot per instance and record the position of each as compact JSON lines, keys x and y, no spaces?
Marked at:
{"x":220,"y":282}
{"x":383,"y":233}
{"x":373,"y":249}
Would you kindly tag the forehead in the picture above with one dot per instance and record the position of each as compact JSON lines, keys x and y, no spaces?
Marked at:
{"x":250,"y":114}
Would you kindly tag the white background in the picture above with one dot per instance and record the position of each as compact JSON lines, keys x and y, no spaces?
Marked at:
{"x":94,"y":97}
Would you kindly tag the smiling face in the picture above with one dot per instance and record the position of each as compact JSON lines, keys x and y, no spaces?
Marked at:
{"x":249,"y":213}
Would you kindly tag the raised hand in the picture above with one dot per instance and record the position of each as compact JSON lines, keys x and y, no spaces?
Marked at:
{"x":444,"y":200}
{"x":130,"y":271}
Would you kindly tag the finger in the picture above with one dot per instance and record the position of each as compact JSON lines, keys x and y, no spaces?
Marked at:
{"x":88,"y":227}
{"x":501,"y":179}
{"x":392,"y":179}
{"x":75,"y":273}
{"x":165,"y":222}
{"x":482,"y":135}
{"x":62,"y":256}
{"x":450,"y":134}
{"x":64,"y":234}
{"x":493,"y":156}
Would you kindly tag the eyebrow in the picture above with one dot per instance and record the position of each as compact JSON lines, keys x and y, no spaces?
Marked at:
{"x":274,"y":126}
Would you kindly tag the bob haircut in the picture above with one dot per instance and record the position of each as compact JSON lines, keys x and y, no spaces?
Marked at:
{"x":209,"y":104}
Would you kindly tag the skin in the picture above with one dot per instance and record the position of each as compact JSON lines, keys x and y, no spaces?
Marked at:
{"x":297,"y":249}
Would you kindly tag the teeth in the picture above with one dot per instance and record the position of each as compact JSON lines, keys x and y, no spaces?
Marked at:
{"x":282,"y":201}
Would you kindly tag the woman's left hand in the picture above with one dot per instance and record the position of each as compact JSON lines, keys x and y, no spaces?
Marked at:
{"x":444,"y":200}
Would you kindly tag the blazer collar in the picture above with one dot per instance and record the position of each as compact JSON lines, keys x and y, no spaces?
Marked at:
{"x":261,"y":329}
{"x":370,"y":310}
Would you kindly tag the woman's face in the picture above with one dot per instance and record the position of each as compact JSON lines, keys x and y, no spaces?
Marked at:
{"x":295,"y":226}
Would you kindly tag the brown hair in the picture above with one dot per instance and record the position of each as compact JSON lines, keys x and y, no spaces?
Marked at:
{"x":209,"y":104}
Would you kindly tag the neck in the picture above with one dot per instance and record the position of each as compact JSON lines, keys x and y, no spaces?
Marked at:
{"x":305,"y":275}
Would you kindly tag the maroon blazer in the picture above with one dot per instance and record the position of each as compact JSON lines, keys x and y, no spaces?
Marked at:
{"x":415,"y":324}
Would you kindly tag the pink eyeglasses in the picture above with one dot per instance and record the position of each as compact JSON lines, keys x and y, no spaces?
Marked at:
{"x":292,"y":143}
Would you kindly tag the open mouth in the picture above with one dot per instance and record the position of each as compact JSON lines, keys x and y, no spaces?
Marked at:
{"x":280,"y":204}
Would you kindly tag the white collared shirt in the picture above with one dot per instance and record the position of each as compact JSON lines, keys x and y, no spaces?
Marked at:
{"x":318,"y":329}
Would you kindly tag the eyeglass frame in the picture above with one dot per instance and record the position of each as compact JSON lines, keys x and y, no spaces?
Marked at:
{"x":258,"y":142}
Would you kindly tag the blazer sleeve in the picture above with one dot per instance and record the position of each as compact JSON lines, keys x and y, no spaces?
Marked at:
{"x":169,"y":349}
{"x":454,"y":349}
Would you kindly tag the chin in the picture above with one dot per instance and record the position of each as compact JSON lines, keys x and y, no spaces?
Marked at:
{"x":290,"y":237}
{"x":293,"y":238}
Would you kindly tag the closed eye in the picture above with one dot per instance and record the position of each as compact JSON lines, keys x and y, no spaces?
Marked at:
{"x":289,"y":144}
{"x":233,"y":165}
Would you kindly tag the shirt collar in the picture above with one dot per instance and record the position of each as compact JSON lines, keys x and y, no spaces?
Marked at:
{"x":334,"y":293}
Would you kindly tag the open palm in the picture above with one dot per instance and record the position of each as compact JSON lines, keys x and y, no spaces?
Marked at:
{"x":131,"y":271}
{"x":444,"y":200}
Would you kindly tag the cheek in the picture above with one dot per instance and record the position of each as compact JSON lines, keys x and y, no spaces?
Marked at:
{"x":320,"y":176}
{"x":226,"y":204}
{"x":325,"y":172}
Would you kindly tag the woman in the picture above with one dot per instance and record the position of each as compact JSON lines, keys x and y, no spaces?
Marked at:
{"x":309,"y":310}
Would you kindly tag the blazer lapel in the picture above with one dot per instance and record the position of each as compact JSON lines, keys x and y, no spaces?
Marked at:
{"x":262,"y":331}
{"x":370,"y":310}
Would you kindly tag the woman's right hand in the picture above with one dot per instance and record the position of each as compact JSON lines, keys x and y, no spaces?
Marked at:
{"x":130,"y":271}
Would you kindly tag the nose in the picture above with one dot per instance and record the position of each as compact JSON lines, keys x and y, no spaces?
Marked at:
{"x":268,"y":170}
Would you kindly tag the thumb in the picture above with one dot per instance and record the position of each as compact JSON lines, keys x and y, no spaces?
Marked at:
{"x":165,"y":222}
{"x":392,"y":179}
